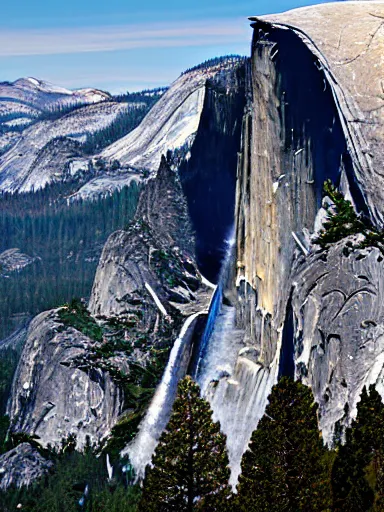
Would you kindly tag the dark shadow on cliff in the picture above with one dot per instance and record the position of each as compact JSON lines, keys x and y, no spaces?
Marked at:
{"x":308,"y":113}
{"x":287,"y":363}
{"x":209,"y":176}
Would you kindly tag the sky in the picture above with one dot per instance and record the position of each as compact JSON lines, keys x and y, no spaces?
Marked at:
{"x":120,"y":45}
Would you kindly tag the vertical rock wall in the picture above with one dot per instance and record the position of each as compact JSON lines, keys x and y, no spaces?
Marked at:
{"x":292,"y":142}
{"x":298,"y":130}
{"x":208,"y":176}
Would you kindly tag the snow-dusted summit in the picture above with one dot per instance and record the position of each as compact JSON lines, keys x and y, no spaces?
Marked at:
{"x":42,"y":155}
{"x":40,"y":95}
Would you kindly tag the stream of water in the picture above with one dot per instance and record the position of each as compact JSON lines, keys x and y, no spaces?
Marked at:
{"x":140,"y":450}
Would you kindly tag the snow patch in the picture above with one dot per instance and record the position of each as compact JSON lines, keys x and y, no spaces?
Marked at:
{"x":156,"y":299}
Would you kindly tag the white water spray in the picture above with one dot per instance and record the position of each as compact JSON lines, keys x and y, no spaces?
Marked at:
{"x":140,"y":450}
{"x":239,"y":402}
{"x":236,"y":386}
{"x":109,"y":468}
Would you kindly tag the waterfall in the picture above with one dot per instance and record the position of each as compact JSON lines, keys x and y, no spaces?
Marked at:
{"x":109,"y":468}
{"x":214,"y":309}
{"x":230,"y":377}
{"x":221,"y":348}
{"x":140,"y":450}
{"x":239,"y":402}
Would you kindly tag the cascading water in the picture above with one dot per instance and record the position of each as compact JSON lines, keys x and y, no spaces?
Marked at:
{"x":140,"y":450}
{"x":217,"y":361}
{"x":214,"y":310}
{"x":236,"y":386}
{"x":239,"y":400}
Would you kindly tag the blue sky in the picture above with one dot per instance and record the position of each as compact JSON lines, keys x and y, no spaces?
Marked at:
{"x":121,"y":45}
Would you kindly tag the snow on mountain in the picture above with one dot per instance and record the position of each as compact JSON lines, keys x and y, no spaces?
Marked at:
{"x":41,"y":95}
{"x":106,"y":184}
{"x":171,"y":124}
{"x":25,"y":100}
{"x":41,"y":154}
{"x":11,"y":107}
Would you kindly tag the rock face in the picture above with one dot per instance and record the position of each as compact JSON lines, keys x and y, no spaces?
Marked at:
{"x":281,"y":176}
{"x":208,"y":175}
{"x":310,"y":116}
{"x":173,"y":122}
{"x":310,"y":94}
{"x":158,"y":249}
{"x":44,"y":151}
{"x":338,"y":311}
{"x":347,"y":38}
{"x":50,"y":398}
{"x":309,"y":138}
{"x":22,"y":466}
{"x":146,"y":284}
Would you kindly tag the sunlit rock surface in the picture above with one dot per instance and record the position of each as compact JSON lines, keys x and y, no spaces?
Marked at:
{"x":173,"y":122}
{"x":161,"y":228}
{"x":338,"y":326}
{"x":310,"y":115}
{"x":50,"y":397}
{"x":347,"y":39}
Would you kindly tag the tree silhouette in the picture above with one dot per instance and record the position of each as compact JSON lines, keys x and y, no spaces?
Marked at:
{"x":190,"y":465}
{"x":284,"y":467}
{"x":357,"y":472}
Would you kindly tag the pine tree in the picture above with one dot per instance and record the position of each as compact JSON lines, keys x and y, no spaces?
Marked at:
{"x":342,"y":219}
{"x":190,"y":466}
{"x":358,"y":462}
{"x":284,"y":468}
{"x":379,"y":498}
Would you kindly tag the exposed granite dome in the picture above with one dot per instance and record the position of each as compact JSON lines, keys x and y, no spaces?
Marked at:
{"x":348,"y":40}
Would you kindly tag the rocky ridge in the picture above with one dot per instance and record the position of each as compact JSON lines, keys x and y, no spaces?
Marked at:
{"x":22,"y":466}
{"x":85,"y":375}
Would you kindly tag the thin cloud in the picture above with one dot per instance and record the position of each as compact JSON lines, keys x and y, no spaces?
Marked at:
{"x":127,"y":37}
{"x":115,"y":80}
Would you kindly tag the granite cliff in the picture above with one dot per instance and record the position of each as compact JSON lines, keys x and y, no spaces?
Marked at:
{"x":299,"y":112}
{"x":310,"y":313}
{"x":78,"y":369}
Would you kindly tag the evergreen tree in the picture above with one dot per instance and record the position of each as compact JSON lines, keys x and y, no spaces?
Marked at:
{"x":284,"y":468}
{"x":342,"y":219}
{"x":190,"y":466}
{"x":358,"y":462}
{"x":379,"y":498}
